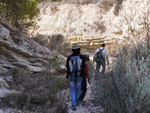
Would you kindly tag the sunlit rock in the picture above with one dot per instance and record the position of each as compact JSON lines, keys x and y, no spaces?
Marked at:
{"x":1,"y":111}
{"x":4,"y":33}
{"x":19,"y":51}
{"x":3,"y":70}
{"x":3,"y":84}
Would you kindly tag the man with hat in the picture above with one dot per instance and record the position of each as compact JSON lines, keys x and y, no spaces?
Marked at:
{"x":75,"y":68}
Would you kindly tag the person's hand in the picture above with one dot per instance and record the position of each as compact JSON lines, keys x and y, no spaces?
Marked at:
{"x":93,"y":60}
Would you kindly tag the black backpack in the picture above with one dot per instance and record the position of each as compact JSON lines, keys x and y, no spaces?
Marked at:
{"x":99,"y":56}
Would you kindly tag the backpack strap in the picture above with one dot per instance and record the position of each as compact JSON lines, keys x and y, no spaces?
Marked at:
{"x":102,"y":52}
{"x":70,"y":56}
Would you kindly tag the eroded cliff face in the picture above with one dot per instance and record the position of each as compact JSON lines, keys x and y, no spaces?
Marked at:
{"x":89,"y":24}
{"x":19,"y":51}
{"x":25,"y":66}
{"x":78,"y":22}
{"x":74,"y":19}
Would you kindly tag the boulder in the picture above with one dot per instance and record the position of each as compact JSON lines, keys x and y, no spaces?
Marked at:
{"x":3,"y":84}
{"x":3,"y":70}
{"x":4,"y":33}
{"x":4,"y":91}
{"x":1,"y":111}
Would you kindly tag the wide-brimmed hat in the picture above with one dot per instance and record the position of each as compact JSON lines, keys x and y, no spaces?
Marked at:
{"x":75,"y":46}
{"x":86,"y":56}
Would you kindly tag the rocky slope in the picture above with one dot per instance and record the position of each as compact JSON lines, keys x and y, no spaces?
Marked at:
{"x":91,"y":23}
{"x":22,"y":63}
{"x":27,"y":72}
{"x":17,"y":50}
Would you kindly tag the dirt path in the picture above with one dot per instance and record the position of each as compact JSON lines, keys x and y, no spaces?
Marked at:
{"x":89,"y":107}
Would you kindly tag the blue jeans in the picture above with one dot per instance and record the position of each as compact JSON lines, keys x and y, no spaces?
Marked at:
{"x":75,"y":84}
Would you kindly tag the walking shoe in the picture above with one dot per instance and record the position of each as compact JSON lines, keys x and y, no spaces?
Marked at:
{"x":73,"y":108}
{"x":82,"y":102}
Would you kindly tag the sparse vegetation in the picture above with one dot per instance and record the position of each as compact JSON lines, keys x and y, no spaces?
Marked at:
{"x":39,"y":90}
{"x":15,"y":100}
{"x":125,"y":89}
{"x":60,"y":84}
{"x":55,"y":42}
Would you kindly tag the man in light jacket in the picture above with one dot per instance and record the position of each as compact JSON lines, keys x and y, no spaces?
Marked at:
{"x":103,"y":60}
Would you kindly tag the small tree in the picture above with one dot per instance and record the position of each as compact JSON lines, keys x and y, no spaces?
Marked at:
{"x":21,"y":13}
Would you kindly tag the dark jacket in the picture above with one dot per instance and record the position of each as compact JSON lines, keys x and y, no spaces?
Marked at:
{"x":83,"y":64}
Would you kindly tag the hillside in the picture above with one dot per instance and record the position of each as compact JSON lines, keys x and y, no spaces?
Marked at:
{"x":27,"y":71}
{"x":79,"y":22}
{"x":89,"y":24}
{"x":32,"y":65}
{"x":18,"y":50}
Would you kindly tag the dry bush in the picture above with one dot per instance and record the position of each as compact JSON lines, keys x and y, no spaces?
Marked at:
{"x":14,"y":100}
{"x":38,"y":90}
{"x":61,"y":106}
{"x":23,"y":77}
{"x":55,"y":42}
{"x":125,"y":89}
{"x":58,"y":43}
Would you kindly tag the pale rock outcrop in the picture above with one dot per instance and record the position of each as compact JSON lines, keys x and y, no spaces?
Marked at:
{"x":3,"y":70}
{"x":3,"y":84}
{"x":4,"y":33}
{"x":73,"y":19}
{"x":4,"y":92}
{"x":85,"y":19}
{"x":19,"y":51}
{"x":132,"y":16}
{"x":1,"y":111}
{"x":4,"y":89}
{"x":100,"y":19}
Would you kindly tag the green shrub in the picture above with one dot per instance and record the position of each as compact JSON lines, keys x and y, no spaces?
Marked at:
{"x":21,"y":13}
